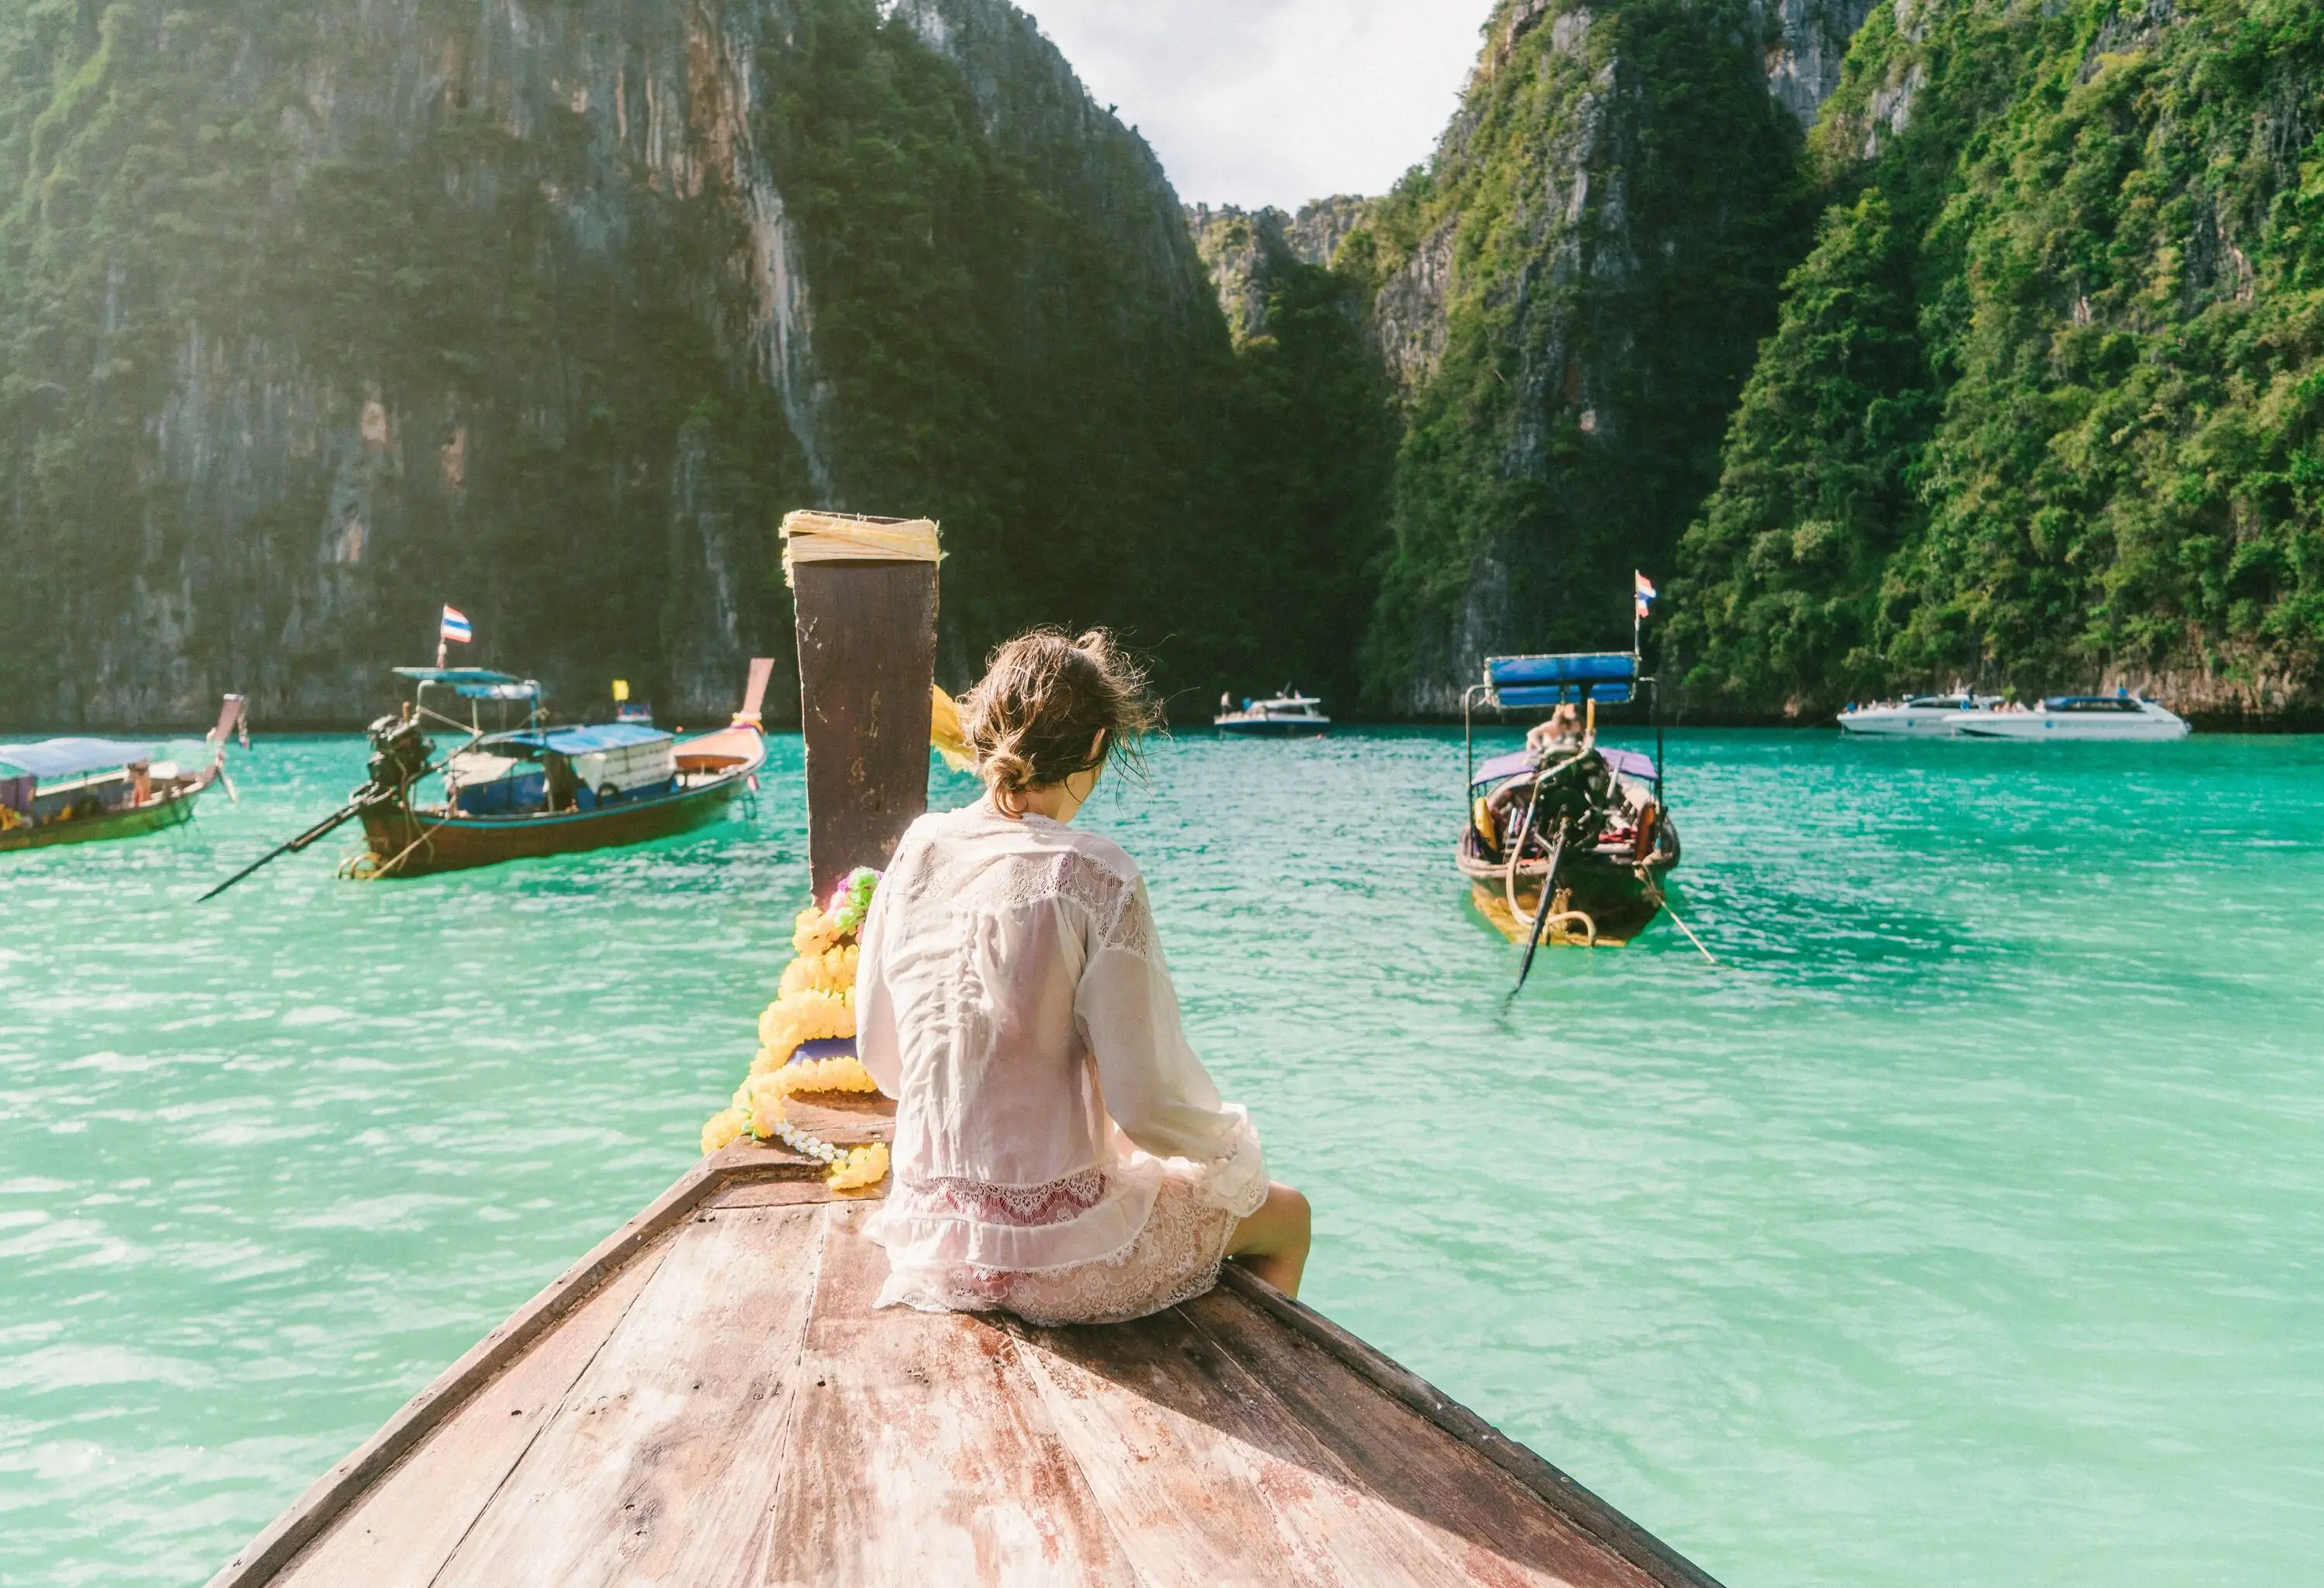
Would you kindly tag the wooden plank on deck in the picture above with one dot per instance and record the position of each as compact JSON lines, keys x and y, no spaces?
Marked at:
{"x":404,"y":1527}
{"x":263,"y":1557}
{"x":661,"y":1463}
{"x":1406,"y":1459}
{"x":922,"y":1457}
{"x":1206,"y":1478}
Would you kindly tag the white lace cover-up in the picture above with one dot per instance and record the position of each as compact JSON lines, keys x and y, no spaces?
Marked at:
{"x":1011,"y":996}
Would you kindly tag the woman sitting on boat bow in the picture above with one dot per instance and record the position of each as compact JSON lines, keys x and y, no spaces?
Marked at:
{"x":1060,"y":1151}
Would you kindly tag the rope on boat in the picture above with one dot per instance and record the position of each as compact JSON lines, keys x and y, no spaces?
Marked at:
{"x":387,"y":869}
{"x":1683,"y":927}
{"x":1526,"y":835}
{"x":1662,"y":901}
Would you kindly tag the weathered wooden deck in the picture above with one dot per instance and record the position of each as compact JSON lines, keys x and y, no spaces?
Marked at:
{"x":709,"y":1399}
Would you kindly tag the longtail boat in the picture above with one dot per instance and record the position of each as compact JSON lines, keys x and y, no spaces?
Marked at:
{"x":80,"y":790}
{"x":538,"y":789}
{"x":1586,"y":823}
{"x":710,"y":1398}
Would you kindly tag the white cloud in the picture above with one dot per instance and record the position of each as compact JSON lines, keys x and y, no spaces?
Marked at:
{"x":1255,"y":102}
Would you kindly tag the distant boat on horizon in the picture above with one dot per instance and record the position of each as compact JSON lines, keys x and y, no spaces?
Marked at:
{"x":1916,"y":716}
{"x":2120,"y":716}
{"x":1288,"y":715}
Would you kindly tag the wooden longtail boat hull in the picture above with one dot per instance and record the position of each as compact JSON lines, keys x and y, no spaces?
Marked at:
{"x":710,"y":1398}
{"x":171,"y":811}
{"x":407,"y":842}
{"x":1620,"y":895}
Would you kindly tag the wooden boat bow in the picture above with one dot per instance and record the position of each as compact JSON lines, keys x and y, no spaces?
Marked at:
{"x":710,"y":1397}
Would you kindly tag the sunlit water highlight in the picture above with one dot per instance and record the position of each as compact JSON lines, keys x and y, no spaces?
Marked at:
{"x":1968,"y":1226}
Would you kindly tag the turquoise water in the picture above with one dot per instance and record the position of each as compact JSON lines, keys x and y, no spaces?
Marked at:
{"x":1965,"y":1226}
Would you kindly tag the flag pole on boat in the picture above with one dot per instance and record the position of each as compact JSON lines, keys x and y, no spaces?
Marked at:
{"x":453,"y":627}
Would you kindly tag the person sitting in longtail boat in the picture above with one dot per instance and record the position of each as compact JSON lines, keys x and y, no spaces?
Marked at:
{"x":1060,"y":1151}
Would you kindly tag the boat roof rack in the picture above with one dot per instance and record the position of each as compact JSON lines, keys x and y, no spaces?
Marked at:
{"x":1610,"y":678}
{"x":68,"y":758}
{"x":473,"y":683}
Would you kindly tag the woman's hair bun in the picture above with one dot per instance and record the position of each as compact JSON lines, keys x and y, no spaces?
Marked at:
{"x":1043,"y":700}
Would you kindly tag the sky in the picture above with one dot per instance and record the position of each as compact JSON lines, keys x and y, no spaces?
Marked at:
{"x":1257,"y":102}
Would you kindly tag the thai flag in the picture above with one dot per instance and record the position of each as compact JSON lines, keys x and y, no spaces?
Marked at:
{"x":1643,"y":589}
{"x":456,"y":627}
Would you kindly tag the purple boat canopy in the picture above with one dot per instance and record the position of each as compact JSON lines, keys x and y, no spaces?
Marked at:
{"x":1628,"y":763}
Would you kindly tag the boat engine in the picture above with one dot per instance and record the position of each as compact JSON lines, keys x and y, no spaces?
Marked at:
{"x":1580,"y":793}
{"x":399,"y":754}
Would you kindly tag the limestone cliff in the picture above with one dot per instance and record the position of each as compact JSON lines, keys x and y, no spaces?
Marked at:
{"x":1566,"y":299}
{"x":313,"y":318}
{"x":1569,"y":297}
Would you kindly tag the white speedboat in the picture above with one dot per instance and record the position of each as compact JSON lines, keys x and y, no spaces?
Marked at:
{"x":2079,"y":717}
{"x":1289,"y":716}
{"x":1916,"y":716}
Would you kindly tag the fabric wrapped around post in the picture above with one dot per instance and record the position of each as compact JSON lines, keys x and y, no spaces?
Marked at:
{"x":847,"y":537}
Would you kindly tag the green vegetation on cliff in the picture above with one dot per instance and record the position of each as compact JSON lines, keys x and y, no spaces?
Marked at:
{"x":1575,"y":286}
{"x":314,"y":316}
{"x":2043,"y":407}
{"x":1096,"y":448}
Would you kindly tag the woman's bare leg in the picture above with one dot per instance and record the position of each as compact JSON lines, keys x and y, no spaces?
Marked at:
{"x":1272,"y":1244}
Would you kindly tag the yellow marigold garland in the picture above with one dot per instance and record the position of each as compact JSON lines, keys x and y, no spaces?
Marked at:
{"x":814,"y":1001}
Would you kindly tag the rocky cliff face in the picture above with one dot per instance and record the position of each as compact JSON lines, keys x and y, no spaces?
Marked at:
{"x":313,"y":319}
{"x":1569,"y":298}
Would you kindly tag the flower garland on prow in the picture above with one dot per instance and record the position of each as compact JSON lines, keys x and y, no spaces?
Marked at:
{"x":814,"y":1002}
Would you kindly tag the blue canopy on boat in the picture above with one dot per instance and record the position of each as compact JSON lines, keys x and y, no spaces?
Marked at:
{"x":473,"y":683}
{"x":70,"y":758}
{"x":1603,"y":675}
{"x":583,"y":740}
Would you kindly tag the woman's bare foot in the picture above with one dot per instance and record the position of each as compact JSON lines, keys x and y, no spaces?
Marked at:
{"x":1272,"y":1243}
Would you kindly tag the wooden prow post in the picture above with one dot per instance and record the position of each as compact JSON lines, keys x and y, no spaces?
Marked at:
{"x":867,"y":658}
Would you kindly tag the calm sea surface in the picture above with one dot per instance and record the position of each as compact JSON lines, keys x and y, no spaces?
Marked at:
{"x":1965,"y":1226}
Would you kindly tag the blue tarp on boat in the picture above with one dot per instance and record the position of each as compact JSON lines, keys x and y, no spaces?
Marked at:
{"x":473,"y":683}
{"x":583,"y":740}
{"x":1603,"y":675}
{"x":68,"y":758}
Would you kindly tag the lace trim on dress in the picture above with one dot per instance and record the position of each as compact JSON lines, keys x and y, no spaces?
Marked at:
{"x":1059,"y":1201}
{"x":1174,"y":1258}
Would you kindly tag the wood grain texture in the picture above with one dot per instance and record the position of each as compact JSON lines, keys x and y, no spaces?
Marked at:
{"x":661,"y":1463}
{"x":843,"y":1119}
{"x":405,"y":1526}
{"x":867,"y":655}
{"x":1408,"y":1461}
{"x":748,"y":1418}
{"x":923,"y":1457}
{"x":1205,"y":1477}
{"x":261,"y":1559}
{"x":1564,"y":1497}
